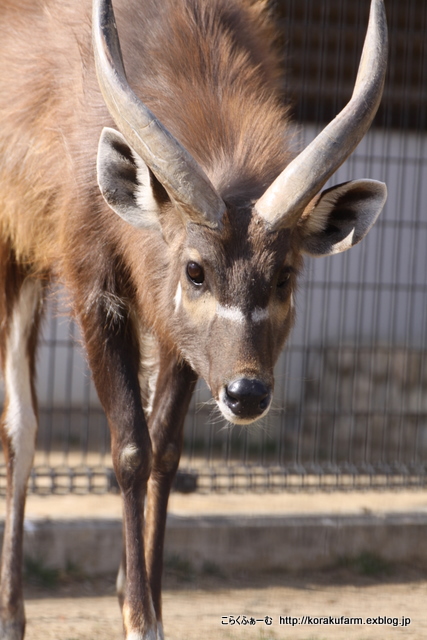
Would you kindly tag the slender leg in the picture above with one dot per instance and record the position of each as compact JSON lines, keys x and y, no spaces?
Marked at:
{"x":174,"y":389}
{"x":114,"y":359}
{"x":175,"y":385}
{"x":20,"y":320}
{"x":121,"y":575}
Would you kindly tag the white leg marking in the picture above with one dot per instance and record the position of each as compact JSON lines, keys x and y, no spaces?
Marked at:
{"x":234,"y":314}
{"x":130,"y":457}
{"x":148,"y":370}
{"x":121,"y":580}
{"x":136,"y":635}
{"x":21,"y":422}
{"x":160,"y":634}
{"x":259,"y":314}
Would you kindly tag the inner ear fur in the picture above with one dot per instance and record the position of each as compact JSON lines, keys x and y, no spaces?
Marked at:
{"x":127,"y":184}
{"x":341,"y":216}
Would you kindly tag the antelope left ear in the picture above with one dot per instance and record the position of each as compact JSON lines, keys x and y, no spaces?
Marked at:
{"x":341,"y":216}
{"x":127,"y":184}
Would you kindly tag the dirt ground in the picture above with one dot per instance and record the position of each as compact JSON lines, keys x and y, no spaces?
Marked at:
{"x":198,"y":607}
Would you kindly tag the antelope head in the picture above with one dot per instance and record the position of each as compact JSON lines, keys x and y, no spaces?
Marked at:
{"x":234,"y":263}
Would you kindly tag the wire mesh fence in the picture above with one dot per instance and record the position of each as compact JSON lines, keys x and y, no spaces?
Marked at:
{"x":351,"y":387}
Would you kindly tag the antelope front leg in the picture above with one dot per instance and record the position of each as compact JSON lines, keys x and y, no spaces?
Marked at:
{"x":175,"y":385}
{"x":174,"y":388}
{"x":18,"y":433}
{"x":114,"y":359}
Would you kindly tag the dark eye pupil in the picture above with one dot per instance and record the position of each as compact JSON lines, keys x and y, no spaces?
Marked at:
{"x":195,"y":273}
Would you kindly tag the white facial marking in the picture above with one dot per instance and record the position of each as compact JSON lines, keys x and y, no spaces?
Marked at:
{"x":178,"y":297}
{"x":259,"y":314}
{"x":234,"y":314}
{"x":21,"y":422}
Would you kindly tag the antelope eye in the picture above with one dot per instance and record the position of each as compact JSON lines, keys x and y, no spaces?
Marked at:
{"x":195,"y":273}
{"x":283,"y":278}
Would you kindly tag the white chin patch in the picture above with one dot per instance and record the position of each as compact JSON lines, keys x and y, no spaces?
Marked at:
{"x":231,"y":417}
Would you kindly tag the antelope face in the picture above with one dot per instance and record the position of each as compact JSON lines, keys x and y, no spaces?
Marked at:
{"x":233,"y":304}
{"x":233,"y":309}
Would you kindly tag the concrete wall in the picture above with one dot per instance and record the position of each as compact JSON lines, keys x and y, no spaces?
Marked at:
{"x":236,"y":544}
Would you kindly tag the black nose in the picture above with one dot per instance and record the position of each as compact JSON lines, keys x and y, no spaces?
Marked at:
{"x":247,"y":397}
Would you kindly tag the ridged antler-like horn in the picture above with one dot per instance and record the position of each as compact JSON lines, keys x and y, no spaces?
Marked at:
{"x":284,"y":201}
{"x":178,"y":172}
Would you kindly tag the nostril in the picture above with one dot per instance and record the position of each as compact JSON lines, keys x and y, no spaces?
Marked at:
{"x":234,"y":391}
{"x":265,"y":402}
{"x":247,"y":397}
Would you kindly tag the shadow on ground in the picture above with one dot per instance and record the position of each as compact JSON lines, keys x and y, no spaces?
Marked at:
{"x":362,"y":571}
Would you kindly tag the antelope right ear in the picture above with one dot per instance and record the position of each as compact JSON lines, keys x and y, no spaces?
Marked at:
{"x":127,"y":184}
{"x":340,"y":217}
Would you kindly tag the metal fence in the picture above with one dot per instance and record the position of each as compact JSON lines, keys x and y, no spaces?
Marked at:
{"x":351,"y":388}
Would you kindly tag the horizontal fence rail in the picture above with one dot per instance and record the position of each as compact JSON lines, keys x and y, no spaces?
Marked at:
{"x":350,"y":406}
